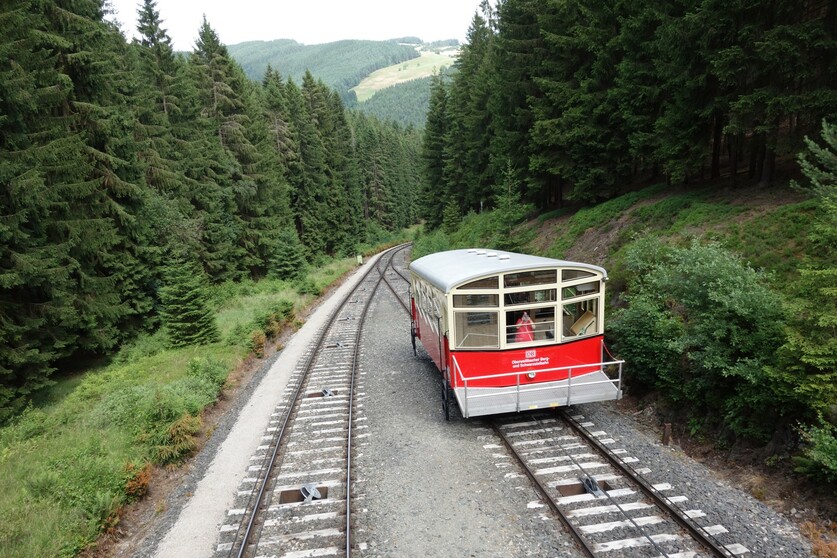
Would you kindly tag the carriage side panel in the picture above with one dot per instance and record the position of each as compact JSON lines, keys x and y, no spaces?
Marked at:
{"x":583,"y":355}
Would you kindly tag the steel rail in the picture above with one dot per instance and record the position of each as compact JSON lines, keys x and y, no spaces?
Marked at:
{"x":541,"y":489}
{"x":280,"y":436}
{"x":355,"y":360}
{"x":693,"y":530}
{"x":406,"y":279}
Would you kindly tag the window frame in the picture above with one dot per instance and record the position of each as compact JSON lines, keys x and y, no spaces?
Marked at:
{"x":508,"y":312}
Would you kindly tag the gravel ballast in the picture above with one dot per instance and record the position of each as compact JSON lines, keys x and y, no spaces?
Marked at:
{"x":431,"y":487}
{"x":766,"y":533}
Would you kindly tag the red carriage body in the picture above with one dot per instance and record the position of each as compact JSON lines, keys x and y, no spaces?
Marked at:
{"x":513,"y":332}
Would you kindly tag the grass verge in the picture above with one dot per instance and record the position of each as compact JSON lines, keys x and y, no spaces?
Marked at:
{"x":85,"y":447}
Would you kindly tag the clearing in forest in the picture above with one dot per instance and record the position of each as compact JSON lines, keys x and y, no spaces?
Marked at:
{"x":430,"y":61}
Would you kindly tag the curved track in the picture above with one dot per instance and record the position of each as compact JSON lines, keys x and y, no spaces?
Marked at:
{"x":608,"y":512}
{"x":301,"y":500}
{"x":602,"y":498}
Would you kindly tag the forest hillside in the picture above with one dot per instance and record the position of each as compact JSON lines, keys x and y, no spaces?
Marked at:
{"x":643,"y":135}
{"x":341,"y":65}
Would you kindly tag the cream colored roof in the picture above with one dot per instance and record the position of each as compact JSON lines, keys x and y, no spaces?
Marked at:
{"x":447,"y":270}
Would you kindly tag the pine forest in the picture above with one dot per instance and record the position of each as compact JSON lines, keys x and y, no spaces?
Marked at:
{"x":118,"y":159}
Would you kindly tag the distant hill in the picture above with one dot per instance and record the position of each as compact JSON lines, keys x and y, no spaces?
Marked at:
{"x":405,"y":103}
{"x":389,"y":78}
{"x":341,"y":64}
{"x":401,"y":93}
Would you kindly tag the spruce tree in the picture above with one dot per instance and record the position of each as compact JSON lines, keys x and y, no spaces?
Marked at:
{"x":434,"y":187}
{"x":184,"y":298}
{"x":289,"y":260}
{"x":508,"y":212}
{"x":310,"y":181}
{"x":516,"y":54}
{"x":811,"y":348}
{"x":70,"y":274}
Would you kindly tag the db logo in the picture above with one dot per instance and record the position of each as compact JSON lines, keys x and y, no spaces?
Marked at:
{"x":530,"y":353}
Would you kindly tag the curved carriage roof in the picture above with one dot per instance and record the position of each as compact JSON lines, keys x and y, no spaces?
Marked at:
{"x":446,"y":270}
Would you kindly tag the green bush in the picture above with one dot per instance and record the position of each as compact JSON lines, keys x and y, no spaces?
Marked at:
{"x":267,"y":320}
{"x":703,"y":326}
{"x":144,"y":345}
{"x":436,"y":241}
{"x":307,"y":286}
{"x":207,"y":370}
{"x":819,"y":456}
{"x":646,"y":335}
{"x":156,"y":414}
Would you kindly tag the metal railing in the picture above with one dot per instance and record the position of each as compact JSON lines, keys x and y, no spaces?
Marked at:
{"x":536,"y":387}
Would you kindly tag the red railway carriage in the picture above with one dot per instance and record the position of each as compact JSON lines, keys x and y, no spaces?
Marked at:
{"x":513,"y":332}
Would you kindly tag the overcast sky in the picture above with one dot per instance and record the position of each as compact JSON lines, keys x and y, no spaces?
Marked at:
{"x":306,"y":21}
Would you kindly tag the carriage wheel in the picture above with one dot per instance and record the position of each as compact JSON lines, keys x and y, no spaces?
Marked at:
{"x":445,"y":399}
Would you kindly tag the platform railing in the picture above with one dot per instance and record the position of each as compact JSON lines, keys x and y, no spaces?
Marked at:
{"x":543,"y":386}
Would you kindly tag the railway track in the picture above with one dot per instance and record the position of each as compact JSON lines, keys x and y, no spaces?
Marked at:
{"x":300,"y":504}
{"x":603,"y":501}
{"x":298,"y":498}
{"x":600,"y":494}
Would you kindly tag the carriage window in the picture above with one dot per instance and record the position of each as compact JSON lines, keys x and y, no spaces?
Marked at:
{"x":572,"y":274}
{"x":526,"y":278}
{"x":476,"y":330}
{"x":535,"y":324}
{"x":531,"y":297}
{"x":580,"y":290}
{"x":485,"y":300}
{"x":580,"y":318}
{"x":484,"y":283}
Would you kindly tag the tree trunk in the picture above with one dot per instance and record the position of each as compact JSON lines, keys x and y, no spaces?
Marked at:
{"x":734,"y":145}
{"x":755,"y":149}
{"x":768,"y":164}
{"x":716,"y":147}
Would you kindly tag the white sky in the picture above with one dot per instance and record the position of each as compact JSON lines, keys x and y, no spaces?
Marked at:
{"x":306,"y":21}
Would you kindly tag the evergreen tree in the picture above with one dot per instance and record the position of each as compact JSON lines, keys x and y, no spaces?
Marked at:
{"x":187,"y":315}
{"x":516,"y":59}
{"x":775,"y":61}
{"x":811,"y":348}
{"x":466,"y":169}
{"x":508,"y":212}
{"x":310,"y":182}
{"x":69,"y":263}
{"x":578,"y":129}
{"x":289,"y":260}
{"x":111,"y":154}
{"x":434,"y":187}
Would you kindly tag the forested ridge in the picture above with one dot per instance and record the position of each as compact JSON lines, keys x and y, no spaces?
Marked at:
{"x":623,"y":117}
{"x":583,"y":99}
{"x":405,"y":103}
{"x":119,"y":160}
{"x":340,"y":64}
